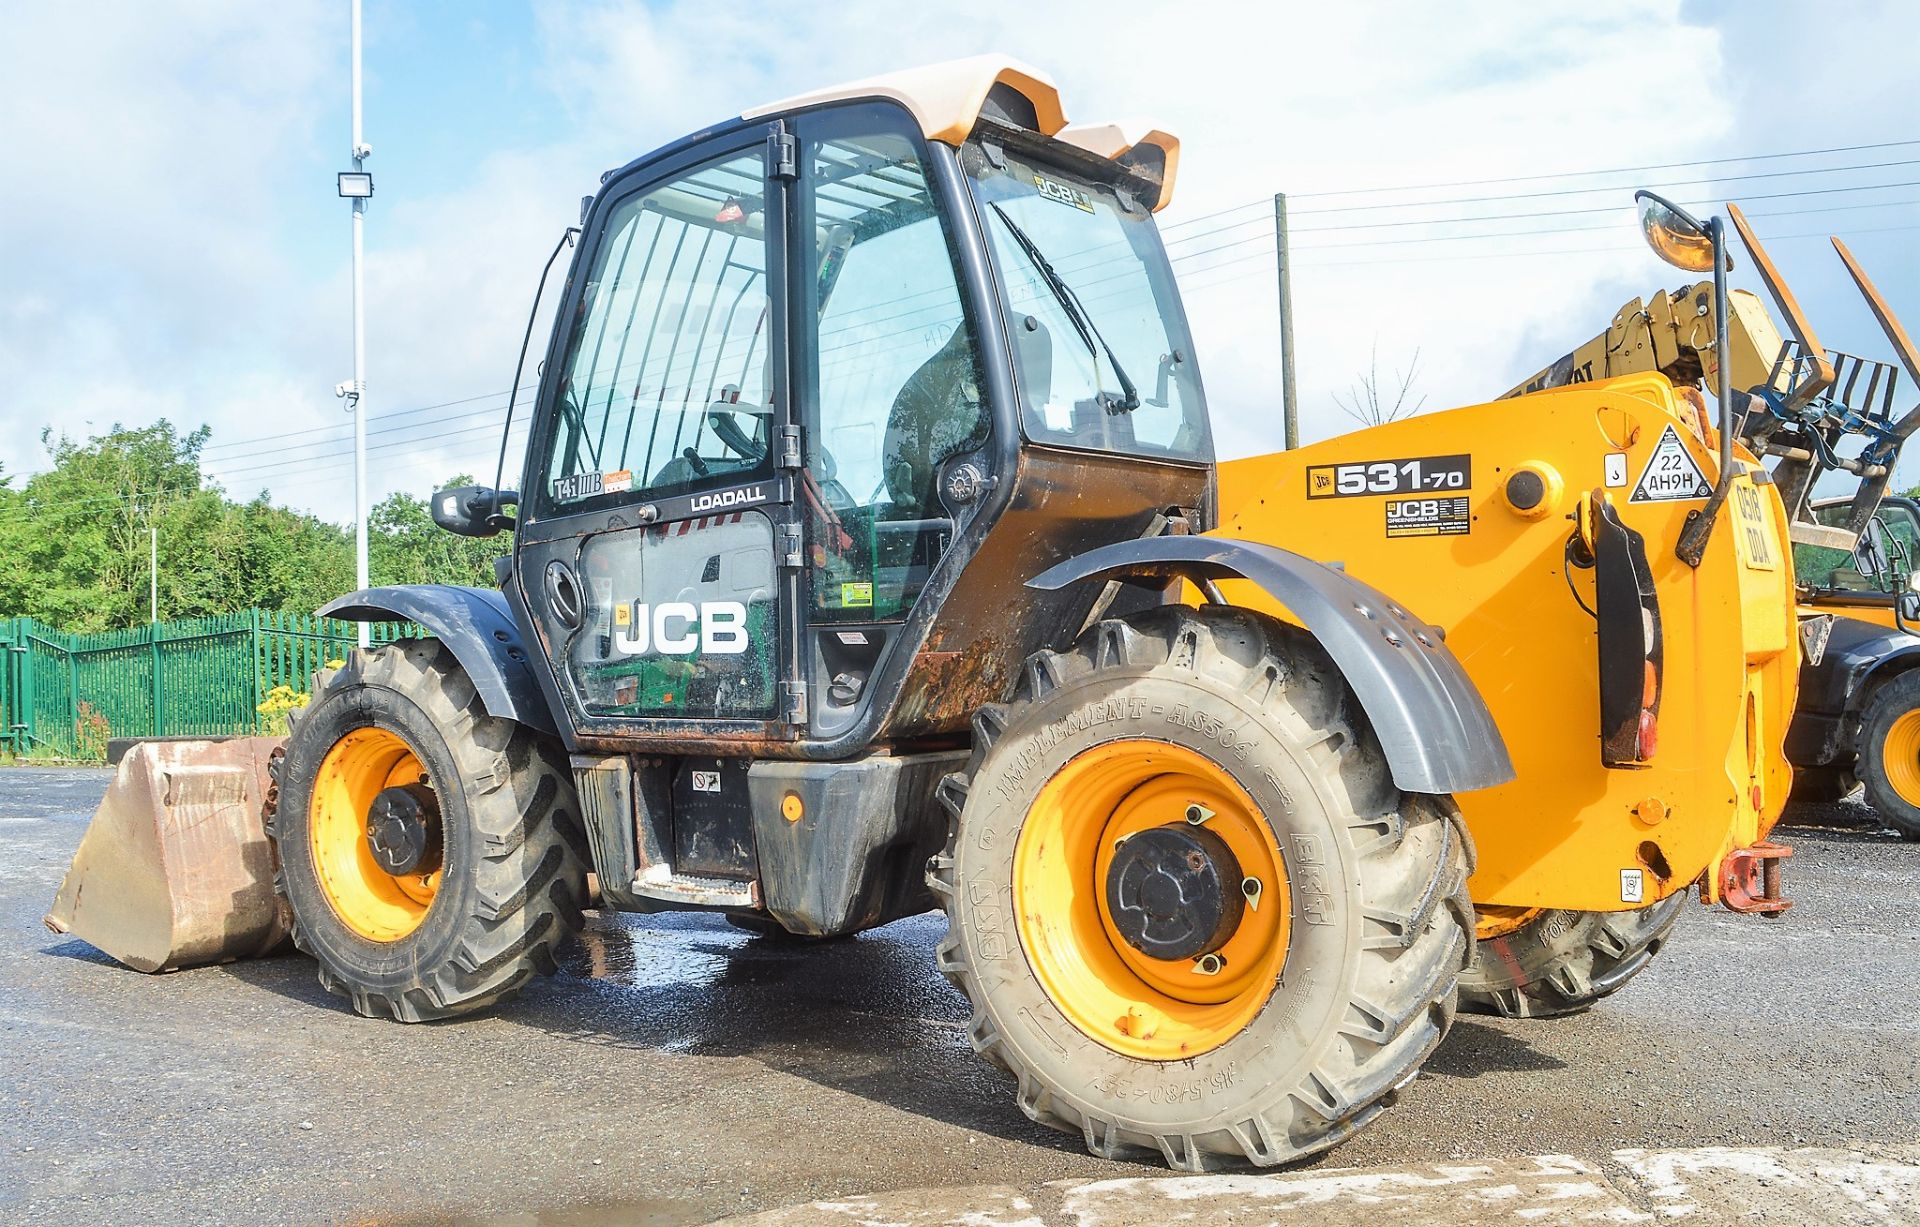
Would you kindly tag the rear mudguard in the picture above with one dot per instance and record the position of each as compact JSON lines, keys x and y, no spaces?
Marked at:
{"x":1433,"y":726}
{"x":477,"y":626}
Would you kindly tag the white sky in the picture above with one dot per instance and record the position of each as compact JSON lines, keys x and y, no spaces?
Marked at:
{"x":170,"y":244}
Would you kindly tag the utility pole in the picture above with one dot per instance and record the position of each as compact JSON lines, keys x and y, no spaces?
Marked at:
{"x":357,"y":185}
{"x":1289,"y":406}
{"x":153,"y":572}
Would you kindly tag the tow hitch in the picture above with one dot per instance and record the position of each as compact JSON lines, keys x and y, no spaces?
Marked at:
{"x":1750,"y":879}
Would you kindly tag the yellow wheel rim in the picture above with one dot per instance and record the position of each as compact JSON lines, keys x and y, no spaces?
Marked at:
{"x":1135,"y":1004}
{"x":378,"y":905}
{"x":1492,"y":920}
{"x":1900,"y":757}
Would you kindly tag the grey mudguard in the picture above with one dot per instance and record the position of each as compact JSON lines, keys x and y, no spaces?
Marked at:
{"x":1434,"y":727}
{"x":477,"y":627}
{"x":1856,"y":650}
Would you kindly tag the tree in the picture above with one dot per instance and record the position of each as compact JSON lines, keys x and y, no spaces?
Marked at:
{"x":74,"y":543}
{"x":79,"y":559}
{"x":405,"y":546}
{"x":1373,"y":403}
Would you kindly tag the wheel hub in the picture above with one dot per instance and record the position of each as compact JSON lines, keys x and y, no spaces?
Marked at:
{"x":403,"y":829}
{"x":1174,"y":892}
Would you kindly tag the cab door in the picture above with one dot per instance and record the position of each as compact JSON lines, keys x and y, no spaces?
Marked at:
{"x":889,"y":392}
{"x":659,"y":551}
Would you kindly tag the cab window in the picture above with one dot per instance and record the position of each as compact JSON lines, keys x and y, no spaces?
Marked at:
{"x":892,"y":385}
{"x":666,"y":385}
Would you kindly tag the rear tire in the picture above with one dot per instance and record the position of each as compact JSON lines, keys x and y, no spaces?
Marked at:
{"x":1376,"y":915}
{"x":1561,"y":962}
{"x":1889,"y":753}
{"x":512,"y":875}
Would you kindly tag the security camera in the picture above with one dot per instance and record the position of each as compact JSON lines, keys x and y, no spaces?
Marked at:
{"x":343,"y":388}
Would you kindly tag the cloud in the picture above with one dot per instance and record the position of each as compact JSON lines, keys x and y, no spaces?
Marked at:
{"x":145,"y":235}
{"x":179,"y":252}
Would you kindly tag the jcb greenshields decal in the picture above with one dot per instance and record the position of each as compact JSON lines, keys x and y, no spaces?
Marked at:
{"x":1411,"y":475}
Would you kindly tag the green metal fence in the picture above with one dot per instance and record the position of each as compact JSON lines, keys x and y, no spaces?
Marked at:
{"x":65,"y":694}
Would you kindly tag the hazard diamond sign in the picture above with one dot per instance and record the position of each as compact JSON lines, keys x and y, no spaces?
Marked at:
{"x":1671,"y":474}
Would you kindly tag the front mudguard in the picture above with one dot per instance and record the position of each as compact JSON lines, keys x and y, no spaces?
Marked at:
{"x":477,"y":627}
{"x":1433,"y":726}
{"x":1834,"y":686}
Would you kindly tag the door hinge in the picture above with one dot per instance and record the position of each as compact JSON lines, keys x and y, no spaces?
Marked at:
{"x":789,"y":447}
{"x":782,"y":155}
{"x":793,"y":545}
{"x":793,"y":702}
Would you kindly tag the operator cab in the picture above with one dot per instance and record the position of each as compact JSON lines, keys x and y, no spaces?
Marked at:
{"x":803,"y":363}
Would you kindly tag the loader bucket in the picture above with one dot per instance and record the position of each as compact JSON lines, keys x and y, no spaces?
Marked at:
{"x":176,"y":869}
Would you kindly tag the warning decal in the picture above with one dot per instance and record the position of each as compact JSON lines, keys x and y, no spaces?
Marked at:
{"x":1428,"y":517}
{"x":1671,"y":474}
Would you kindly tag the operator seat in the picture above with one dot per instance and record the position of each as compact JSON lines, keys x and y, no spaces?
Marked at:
{"x":939,"y":411}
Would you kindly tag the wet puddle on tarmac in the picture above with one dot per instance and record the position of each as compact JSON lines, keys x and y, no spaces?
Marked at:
{"x":653,"y":951}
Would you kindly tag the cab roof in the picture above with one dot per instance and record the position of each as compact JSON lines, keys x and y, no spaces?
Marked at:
{"x":947,"y":99}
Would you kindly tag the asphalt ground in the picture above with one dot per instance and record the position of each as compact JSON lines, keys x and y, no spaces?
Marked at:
{"x":679,"y":1071}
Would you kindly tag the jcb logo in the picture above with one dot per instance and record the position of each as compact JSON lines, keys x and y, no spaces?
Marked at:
{"x":680,"y":628}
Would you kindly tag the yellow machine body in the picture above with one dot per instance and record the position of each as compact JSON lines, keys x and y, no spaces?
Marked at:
{"x":1567,"y":832}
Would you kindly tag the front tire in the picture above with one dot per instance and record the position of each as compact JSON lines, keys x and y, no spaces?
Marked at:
{"x":1327,"y":1000}
{"x":1889,"y":753}
{"x":484,"y":807}
{"x":1551,"y":962}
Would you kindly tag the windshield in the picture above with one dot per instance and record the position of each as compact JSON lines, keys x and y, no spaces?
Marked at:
{"x":1101,"y":349}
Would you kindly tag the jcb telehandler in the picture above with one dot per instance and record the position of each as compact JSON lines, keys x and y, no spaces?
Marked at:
{"x":870,"y":467}
{"x":1824,"y":418}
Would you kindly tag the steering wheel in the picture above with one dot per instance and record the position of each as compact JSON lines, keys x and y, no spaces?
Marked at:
{"x":736,"y":440}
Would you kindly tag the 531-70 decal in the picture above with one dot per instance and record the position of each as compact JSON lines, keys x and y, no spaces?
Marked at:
{"x":1415,"y":475}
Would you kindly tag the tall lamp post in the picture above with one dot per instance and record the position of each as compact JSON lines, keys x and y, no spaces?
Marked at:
{"x":357,"y":186}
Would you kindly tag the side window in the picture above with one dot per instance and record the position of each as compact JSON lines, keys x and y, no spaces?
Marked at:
{"x":666,"y":387}
{"x":896,"y":385}
{"x":1903,"y":545}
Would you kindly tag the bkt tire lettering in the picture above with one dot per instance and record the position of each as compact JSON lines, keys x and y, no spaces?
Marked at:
{"x":669,"y":628}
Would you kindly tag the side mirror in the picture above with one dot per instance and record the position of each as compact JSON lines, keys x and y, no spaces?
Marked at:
{"x":1675,"y":235}
{"x":472,"y":511}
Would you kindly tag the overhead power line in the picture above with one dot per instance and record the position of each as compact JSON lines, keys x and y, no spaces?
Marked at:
{"x":1266,"y":202}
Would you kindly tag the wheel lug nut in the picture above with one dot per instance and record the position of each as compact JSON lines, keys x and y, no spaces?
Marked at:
{"x":1250,"y":887}
{"x":1197,"y":814}
{"x":1209,"y":964}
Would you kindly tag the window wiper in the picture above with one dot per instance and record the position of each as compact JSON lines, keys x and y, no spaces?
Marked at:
{"x":1076,"y":314}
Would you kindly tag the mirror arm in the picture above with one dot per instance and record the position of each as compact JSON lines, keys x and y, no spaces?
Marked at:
{"x":490,"y":513}
{"x":1699,"y":526}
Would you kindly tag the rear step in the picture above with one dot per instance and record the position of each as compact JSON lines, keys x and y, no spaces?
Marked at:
{"x":661,"y":885}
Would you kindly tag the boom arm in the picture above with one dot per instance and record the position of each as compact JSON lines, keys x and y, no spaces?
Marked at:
{"x":1802,"y":400}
